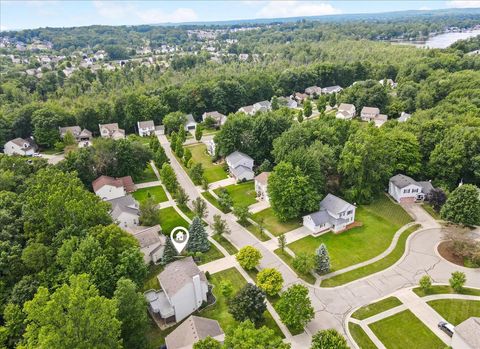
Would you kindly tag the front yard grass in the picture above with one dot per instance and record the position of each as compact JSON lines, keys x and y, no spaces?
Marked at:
{"x":456,"y":311}
{"x":227,"y":245}
{"x":405,"y":330}
{"x":273,"y":224}
{"x":211,"y":255}
{"x":169,"y":219}
{"x":308,"y":277}
{"x":241,"y":194}
{"x":156,"y":193}
{"x":361,"y":338}
{"x":219,"y":311}
{"x":212,"y":172}
{"x":376,"y":308}
{"x":147,"y":176}
{"x":445,"y":289}
{"x":380,"y":220}
{"x":375,"y":267}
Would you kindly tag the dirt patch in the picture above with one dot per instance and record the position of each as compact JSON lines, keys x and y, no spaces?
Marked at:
{"x":445,"y":249}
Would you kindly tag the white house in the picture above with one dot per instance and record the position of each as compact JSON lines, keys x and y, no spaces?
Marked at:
{"x":262,"y":106}
{"x":152,"y":243}
{"x":211,"y":147}
{"x":405,"y":189}
{"x":345,"y":111}
{"x":184,"y":289}
{"x":369,"y":113}
{"x":82,"y":137}
{"x":240,"y":166}
{"x":192,"y":330}
{"x":18,"y":146}
{"x":145,"y":128}
{"x":109,"y":188}
{"x":261,"y":185}
{"x":380,"y":119}
{"x":248,"y":110}
{"x":404,"y":117}
{"x":111,"y":131}
{"x":191,"y":124}
{"x":335,"y":214}
{"x":467,"y":334}
{"x":125,"y":211}
{"x":219,"y":118}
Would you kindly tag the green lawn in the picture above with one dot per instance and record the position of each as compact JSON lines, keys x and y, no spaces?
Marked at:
{"x":219,"y":311}
{"x":445,"y":289}
{"x":456,"y":311}
{"x":376,"y":308}
{"x":157,"y":193}
{"x":405,"y":330}
{"x":151,"y":281}
{"x":255,"y":230}
{"x":188,"y":212}
{"x":213,"y":172}
{"x":289,"y":260}
{"x":380,"y":222}
{"x":211,"y":255}
{"x":241,"y":194}
{"x":360,"y":337}
{"x":273,"y":224}
{"x":225,"y":244}
{"x":169,"y":219}
{"x":211,"y":199}
{"x":375,"y":267}
{"x":431,"y":211}
{"x":155,"y":336}
{"x":147,"y":176}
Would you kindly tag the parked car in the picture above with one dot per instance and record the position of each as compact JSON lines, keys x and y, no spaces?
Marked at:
{"x":446,"y":327}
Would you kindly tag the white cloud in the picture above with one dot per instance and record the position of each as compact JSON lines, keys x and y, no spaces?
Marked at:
{"x":296,"y":8}
{"x":463,"y":3}
{"x":159,"y":16}
{"x":3,"y":28}
{"x":113,"y":9}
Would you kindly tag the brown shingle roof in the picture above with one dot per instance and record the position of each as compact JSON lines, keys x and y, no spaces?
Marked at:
{"x":262,"y":178}
{"x":192,"y":330}
{"x":126,"y":182}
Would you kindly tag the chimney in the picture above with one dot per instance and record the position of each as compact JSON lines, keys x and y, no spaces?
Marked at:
{"x":197,"y":288}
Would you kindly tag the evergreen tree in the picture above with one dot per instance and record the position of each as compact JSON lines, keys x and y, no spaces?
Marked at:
{"x":322,"y":260}
{"x":173,"y":140}
{"x":160,"y":158}
{"x":198,"y":241}
{"x":179,"y":147}
{"x":198,"y":132}
{"x":170,"y":252}
{"x":154,"y":143}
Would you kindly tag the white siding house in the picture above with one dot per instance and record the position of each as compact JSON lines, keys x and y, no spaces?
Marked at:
{"x":125,"y":212}
{"x":145,"y":128}
{"x":261,"y":185}
{"x":345,"y":111}
{"x":111,"y":131}
{"x":405,"y":189}
{"x":109,"y":188}
{"x":18,"y":146}
{"x":152,"y":243}
{"x":335,"y":214}
{"x":240,"y":166}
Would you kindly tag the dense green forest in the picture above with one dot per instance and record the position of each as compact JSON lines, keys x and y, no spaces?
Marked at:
{"x":59,"y":250}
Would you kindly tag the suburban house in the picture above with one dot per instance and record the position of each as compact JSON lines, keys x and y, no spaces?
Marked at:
{"x":345,"y":111}
{"x":192,"y":330}
{"x":109,"y":188}
{"x":332,"y":89}
{"x":404,"y":117}
{"x":111,"y":131}
{"x":313,"y":91}
{"x":335,"y":214}
{"x":240,"y":166}
{"x":262,"y":106}
{"x":248,"y":110}
{"x":82,"y":137}
{"x":369,"y":113}
{"x":145,"y":128}
{"x":125,"y":211}
{"x":211,"y":147}
{"x":300,"y":97}
{"x":261,"y":184}
{"x":19,"y":146}
{"x":405,"y":189}
{"x":183,"y":290}
{"x":467,"y":334}
{"x":287,"y":102}
{"x":190,"y":124}
{"x":219,"y":118}
{"x":152,"y":243}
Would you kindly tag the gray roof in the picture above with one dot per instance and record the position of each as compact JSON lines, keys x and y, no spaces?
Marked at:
{"x":334,"y":204}
{"x":370,"y":110}
{"x":426,"y":187}
{"x":146,"y":124}
{"x":402,"y":181}
{"x":190,"y":119}
{"x":469,"y":331}
{"x":150,"y":236}
{"x":241,"y":170}
{"x":178,"y":274}
{"x":264,"y":104}
{"x":320,"y":217}
{"x":331,"y":89}
{"x":192,"y":330}
{"x":124,"y":204}
{"x":236,"y":157}
{"x":346,"y":107}
{"x":247,"y":109}
{"x":75,"y":130}
{"x":21,"y":142}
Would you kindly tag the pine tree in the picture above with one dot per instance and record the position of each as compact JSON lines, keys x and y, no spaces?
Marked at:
{"x":169,"y":253}
{"x":198,"y":241}
{"x":322,"y":260}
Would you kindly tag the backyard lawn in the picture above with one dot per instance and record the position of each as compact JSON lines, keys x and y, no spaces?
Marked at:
{"x":380,"y":221}
{"x":147,"y":176}
{"x":241,"y":194}
{"x":213,"y":172}
{"x":456,"y":311}
{"x":156,"y":193}
{"x":360,"y":337}
{"x":273,"y":224}
{"x":219,"y":311}
{"x":405,"y":330}
{"x":169,"y":219}
{"x":376,"y":308}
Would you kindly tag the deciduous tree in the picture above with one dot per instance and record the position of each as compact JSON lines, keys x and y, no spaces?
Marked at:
{"x":294,"y":307}
{"x":463,"y":205}
{"x":270,"y":281}
{"x":248,"y":304}
{"x":328,"y":339}
{"x":248,"y":257}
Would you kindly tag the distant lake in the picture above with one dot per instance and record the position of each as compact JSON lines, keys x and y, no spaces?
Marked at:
{"x":447,"y":39}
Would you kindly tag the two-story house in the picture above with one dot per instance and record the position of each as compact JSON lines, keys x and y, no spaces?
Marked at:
{"x":82,"y":137}
{"x":111,"y":131}
{"x":335,"y":214}
{"x":19,"y":146}
{"x":152,"y":243}
{"x":261,"y":185}
{"x":240,"y":166}
{"x":109,"y":188}
{"x":145,"y":128}
{"x":369,"y":113}
{"x":405,"y":189}
{"x":184,"y":289}
{"x":125,"y":212}
{"x":345,"y":111}
{"x":219,"y":118}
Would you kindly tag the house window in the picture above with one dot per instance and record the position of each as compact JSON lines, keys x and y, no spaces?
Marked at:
{"x":414,"y":190}
{"x":406,"y":191}
{"x":349,"y":212}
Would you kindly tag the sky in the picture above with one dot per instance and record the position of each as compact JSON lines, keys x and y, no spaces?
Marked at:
{"x":17,"y":14}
